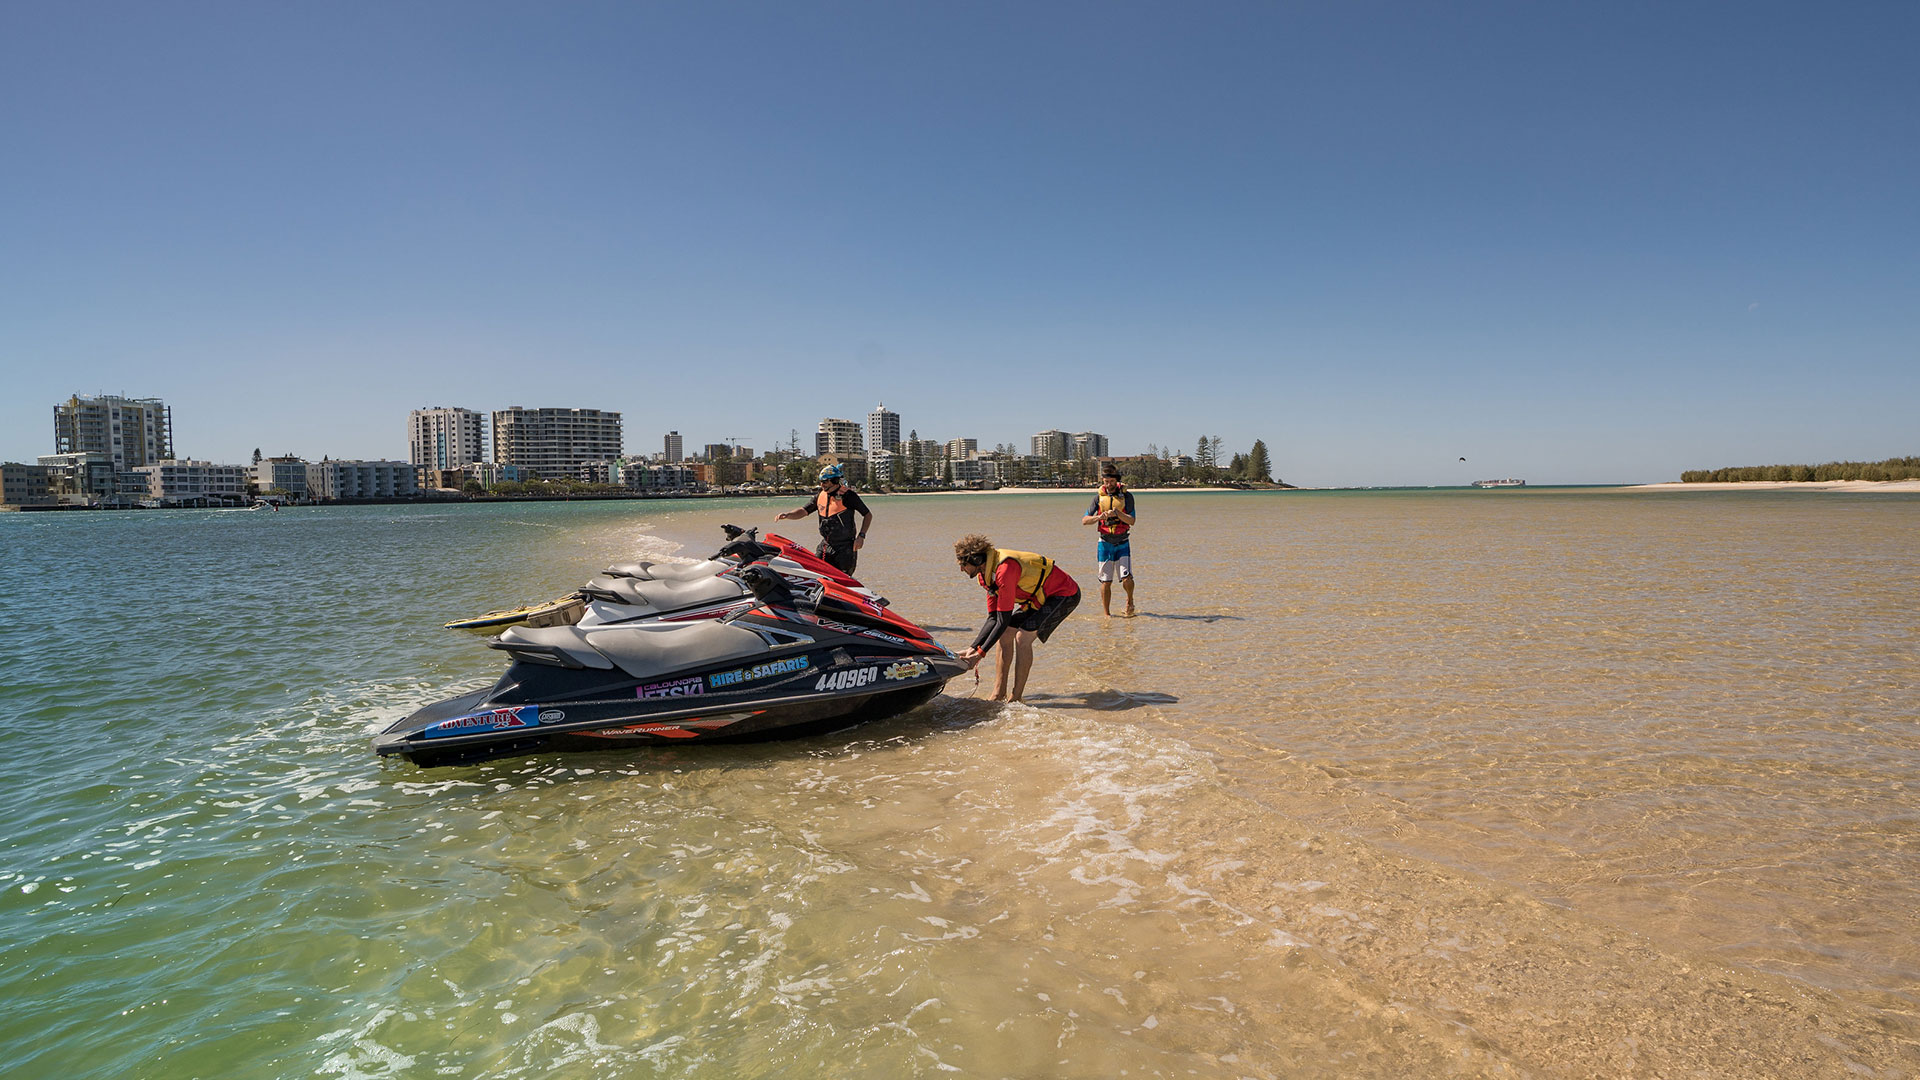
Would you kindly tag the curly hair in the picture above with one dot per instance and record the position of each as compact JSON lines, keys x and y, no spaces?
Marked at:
{"x":972,"y":548}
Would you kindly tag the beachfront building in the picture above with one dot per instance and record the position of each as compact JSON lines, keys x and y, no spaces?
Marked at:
{"x":1089,"y":444}
{"x":361,"y":479}
{"x":883,"y":428}
{"x":194,"y":483}
{"x":285,"y":473}
{"x":961,"y":449}
{"x":24,"y":485}
{"x":441,"y":438}
{"x":881,"y":464}
{"x":555,"y":442}
{"x":837,"y":437}
{"x":975,"y":470}
{"x":131,"y":431}
{"x":91,"y":479}
{"x":489,"y":473}
{"x":1052,"y":445}
{"x":670,"y":476}
{"x":675,"y":451}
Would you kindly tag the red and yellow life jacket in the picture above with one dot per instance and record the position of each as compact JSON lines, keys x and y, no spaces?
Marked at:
{"x":1115,"y":501}
{"x":1031,"y":592}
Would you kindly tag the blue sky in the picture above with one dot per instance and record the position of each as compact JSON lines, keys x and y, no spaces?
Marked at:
{"x":1578,"y":244}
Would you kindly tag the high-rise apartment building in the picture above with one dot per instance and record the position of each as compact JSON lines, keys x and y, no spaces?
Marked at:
{"x":962,"y":449}
{"x":445,"y":438}
{"x":555,"y":442}
{"x":1089,"y":444}
{"x":675,"y":450}
{"x":837,"y":437}
{"x":883,"y":428}
{"x":131,"y":431}
{"x":1052,"y":445}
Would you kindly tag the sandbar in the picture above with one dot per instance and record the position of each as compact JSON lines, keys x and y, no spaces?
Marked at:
{"x":1784,"y":485}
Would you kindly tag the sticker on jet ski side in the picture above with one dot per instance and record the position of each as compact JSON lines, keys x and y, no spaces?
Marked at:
{"x":847,"y":628}
{"x":908,"y":669}
{"x":676,"y":688}
{"x":524,"y":716}
{"x":681,"y":729}
{"x":848,"y":679}
{"x":757,"y":671}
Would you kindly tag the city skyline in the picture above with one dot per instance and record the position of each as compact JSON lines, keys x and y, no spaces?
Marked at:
{"x":1574,"y":245}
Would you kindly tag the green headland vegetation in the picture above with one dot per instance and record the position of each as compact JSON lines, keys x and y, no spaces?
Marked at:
{"x":1904,"y":468}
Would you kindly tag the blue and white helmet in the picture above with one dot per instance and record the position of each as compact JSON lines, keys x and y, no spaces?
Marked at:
{"x":834,"y":473}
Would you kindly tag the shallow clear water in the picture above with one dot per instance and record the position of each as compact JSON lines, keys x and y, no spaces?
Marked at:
{"x":1378,"y":784}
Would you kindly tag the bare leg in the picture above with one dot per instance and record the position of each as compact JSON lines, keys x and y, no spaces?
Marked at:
{"x":1004,"y":658}
{"x":1106,"y":596}
{"x":1127,"y":584}
{"x":1023,"y":652}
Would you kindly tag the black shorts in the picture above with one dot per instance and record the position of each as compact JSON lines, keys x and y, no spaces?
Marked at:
{"x":1047,"y":618}
{"x":843,"y":559}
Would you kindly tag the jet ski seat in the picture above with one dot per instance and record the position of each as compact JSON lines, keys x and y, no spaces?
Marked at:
{"x":664,"y":595}
{"x":658,"y":649}
{"x":659,"y":571}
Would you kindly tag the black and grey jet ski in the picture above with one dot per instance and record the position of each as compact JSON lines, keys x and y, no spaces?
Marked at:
{"x":815,"y":659}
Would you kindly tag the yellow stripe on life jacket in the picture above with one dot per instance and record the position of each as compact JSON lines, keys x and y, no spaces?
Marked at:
{"x":1031,"y":592}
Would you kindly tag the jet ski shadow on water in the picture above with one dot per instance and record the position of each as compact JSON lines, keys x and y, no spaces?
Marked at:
{"x":1102,"y":700}
{"x":787,"y":661}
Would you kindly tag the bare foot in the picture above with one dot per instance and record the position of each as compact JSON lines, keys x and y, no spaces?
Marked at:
{"x":1129,"y":613}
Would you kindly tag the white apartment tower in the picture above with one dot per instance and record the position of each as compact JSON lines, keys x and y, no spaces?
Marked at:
{"x":555,"y":442}
{"x":883,"y":428}
{"x":838,"y":437}
{"x":1052,"y":445}
{"x":1089,"y":444}
{"x":132,"y":431}
{"x":674,"y":450}
{"x":445,"y":438}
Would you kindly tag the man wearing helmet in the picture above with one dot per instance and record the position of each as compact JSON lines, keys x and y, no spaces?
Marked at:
{"x":835,"y":504}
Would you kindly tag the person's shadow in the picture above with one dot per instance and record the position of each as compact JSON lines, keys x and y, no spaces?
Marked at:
{"x":1102,"y":700}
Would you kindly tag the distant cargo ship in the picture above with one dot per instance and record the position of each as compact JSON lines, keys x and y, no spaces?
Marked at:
{"x":1500,"y":483}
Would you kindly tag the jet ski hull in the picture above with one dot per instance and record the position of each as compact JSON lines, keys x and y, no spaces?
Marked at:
{"x":540,"y":707}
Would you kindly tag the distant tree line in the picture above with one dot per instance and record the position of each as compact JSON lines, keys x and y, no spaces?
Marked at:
{"x":1157,"y":467}
{"x":1905,"y":468}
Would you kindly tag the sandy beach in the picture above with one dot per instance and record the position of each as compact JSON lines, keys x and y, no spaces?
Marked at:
{"x":1786,"y":485}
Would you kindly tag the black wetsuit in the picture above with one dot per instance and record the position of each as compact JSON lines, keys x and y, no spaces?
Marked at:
{"x":837,"y":531}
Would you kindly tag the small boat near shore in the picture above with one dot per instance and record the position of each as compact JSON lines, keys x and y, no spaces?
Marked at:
{"x":1509,"y":482}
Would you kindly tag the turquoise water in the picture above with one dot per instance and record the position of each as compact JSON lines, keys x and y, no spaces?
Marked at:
{"x":1570,"y":783}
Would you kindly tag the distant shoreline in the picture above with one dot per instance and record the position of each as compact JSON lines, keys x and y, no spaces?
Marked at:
{"x":1783,"y":485}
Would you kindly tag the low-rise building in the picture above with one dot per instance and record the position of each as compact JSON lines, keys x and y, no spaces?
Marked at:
{"x":177,"y":482}
{"x":287,"y":474}
{"x":90,"y":478}
{"x":361,"y":479}
{"x":24,"y":485}
{"x":668,"y":476}
{"x":972,"y":470}
{"x":489,"y":473}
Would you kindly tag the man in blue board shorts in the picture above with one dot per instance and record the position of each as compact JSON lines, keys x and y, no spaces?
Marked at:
{"x":1112,"y":512}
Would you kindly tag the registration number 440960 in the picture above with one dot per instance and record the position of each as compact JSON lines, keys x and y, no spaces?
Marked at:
{"x":847,"y":680}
